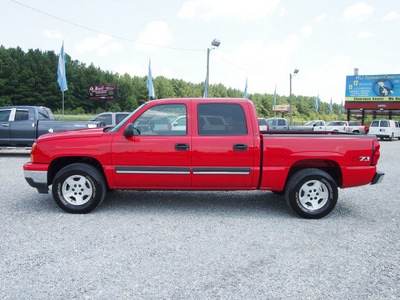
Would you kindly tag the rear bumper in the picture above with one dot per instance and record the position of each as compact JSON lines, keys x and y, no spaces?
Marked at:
{"x":37,"y":178}
{"x":378,"y":177}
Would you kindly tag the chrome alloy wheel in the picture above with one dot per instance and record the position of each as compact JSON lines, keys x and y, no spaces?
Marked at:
{"x":77,"y":190}
{"x":313,"y":195}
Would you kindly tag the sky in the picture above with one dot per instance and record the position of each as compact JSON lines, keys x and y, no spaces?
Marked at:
{"x":262,"y":41}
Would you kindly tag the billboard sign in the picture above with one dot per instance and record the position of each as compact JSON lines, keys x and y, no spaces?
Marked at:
{"x":103,"y":92}
{"x":282,"y":108}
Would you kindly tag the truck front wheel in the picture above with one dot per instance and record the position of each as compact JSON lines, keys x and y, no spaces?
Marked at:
{"x":311,"y":193}
{"x":78,"y":188}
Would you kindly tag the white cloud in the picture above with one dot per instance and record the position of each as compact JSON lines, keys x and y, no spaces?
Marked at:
{"x":210,"y":9}
{"x":320,"y":18}
{"x":283,"y":11}
{"x":365,"y":34}
{"x":325,"y":79}
{"x":52,"y":34}
{"x":156,"y":34}
{"x":110,"y":48}
{"x":93,"y":43}
{"x":132,"y":68}
{"x":392,"y":16}
{"x":306,"y":31}
{"x":101,"y":44}
{"x":265,"y":64}
{"x":358,"y":11}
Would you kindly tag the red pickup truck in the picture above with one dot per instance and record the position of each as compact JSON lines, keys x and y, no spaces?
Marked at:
{"x":200,"y":144}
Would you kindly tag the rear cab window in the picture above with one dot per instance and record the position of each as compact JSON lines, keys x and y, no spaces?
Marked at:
{"x":221,"y":119}
{"x":384,"y":123}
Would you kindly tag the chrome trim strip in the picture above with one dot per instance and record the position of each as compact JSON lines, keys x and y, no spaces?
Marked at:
{"x":182,"y":171}
{"x":221,"y":171}
{"x":153,"y":170}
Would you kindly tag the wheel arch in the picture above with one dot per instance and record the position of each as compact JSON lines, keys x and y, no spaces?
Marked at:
{"x":329,"y":166}
{"x":57,"y":164}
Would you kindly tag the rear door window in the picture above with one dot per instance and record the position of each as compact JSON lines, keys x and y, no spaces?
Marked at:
{"x":281,"y":122}
{"x":21,"y":115}
{"x":221,"y":119}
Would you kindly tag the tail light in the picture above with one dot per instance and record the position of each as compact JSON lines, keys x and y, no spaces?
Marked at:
{"x":375,"y":152}
{"x":267,"y":127}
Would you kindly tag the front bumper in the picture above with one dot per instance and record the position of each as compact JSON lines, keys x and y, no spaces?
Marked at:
{"x":36,"y":176}
{"x":378,"y":177}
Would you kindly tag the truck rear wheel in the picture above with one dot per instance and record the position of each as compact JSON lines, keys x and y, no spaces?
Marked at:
{"x":311,"y":193}
{"x":78,"y":188}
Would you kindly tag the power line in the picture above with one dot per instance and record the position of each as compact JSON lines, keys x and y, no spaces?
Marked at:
{"x":100,"y":32}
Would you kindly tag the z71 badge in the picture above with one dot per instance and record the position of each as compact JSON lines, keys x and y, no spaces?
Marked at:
{"x":361,"y":158}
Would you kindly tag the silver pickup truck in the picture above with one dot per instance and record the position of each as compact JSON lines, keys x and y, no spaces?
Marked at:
{"x":282,"y":125}
{"x":20,"y":126}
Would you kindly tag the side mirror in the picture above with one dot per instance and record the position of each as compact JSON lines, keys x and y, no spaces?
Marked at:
{"x":129,"y":132}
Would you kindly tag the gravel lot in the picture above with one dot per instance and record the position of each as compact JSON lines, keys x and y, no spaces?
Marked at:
{"x":199,"y":245}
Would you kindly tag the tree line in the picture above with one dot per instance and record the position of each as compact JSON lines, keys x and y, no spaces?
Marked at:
{"x":30,"y":78}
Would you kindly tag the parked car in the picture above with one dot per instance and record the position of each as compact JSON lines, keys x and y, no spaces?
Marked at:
{"x":263,"y":124}
{"x":223,"y":150}
{"x":20,"y":126}
{"x":277,"y":124}
{"x":336,"y":126}
{"x":317,"y":125}
{"x":110,"y":118}
{"x":179,"y":123}
{"x":355,"y":127}
{"x":388,"y":129}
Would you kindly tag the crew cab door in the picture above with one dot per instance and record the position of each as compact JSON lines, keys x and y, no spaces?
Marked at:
{"x":5,"y":126}
{"x":23,"y":127}
{"x":223,"y":146}
{"x":157,"y":156}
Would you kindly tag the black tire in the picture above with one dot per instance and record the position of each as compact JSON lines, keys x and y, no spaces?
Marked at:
{"x":311,"y":193}
{"x":79,"y":188}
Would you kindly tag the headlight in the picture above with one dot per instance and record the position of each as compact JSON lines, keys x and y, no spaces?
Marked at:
{"x":92,"y":125}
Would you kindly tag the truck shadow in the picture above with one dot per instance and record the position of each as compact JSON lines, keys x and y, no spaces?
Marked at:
{"x":209,"y":202}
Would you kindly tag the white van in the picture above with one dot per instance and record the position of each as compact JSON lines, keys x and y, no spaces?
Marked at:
{"x":389,"y":129}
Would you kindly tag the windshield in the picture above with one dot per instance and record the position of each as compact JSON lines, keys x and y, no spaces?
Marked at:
{"x":116,"y":128}
{"x":310,"y":123}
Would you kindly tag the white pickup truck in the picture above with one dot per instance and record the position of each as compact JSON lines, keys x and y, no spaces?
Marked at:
{"x":317,"y":125}
{"x":336,"y":126}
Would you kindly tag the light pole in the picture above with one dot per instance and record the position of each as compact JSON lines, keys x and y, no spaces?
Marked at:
{"x":214,"y":44}
{"x":290,"y":96}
